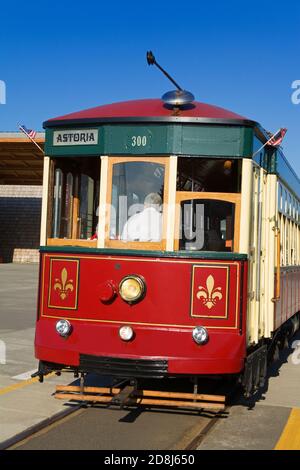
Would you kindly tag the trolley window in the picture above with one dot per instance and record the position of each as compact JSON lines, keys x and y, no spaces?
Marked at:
{"x":209,"y":174}
{"x":208,"y":204}
{"x":206,"y":224}
{"x":73,"y":201}
{"x":207,"y":221}
{"x":136,"y":195}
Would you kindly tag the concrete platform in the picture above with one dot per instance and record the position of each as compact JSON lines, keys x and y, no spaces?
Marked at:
{"x":269,"y":421}
{"x":23,"y":403}
{"x":24,"y":407}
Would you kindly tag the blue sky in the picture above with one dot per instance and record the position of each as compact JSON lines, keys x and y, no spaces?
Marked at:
{"x":59,"y":57}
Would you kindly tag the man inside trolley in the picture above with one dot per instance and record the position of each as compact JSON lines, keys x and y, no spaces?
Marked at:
{"x":145,"y":226}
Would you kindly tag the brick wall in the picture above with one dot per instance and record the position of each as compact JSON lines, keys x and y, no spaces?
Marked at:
{"x":20,"y":214}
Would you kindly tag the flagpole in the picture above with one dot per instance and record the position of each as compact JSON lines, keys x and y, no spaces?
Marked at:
{"x":266,"y":143}
{"x":35,"y":143}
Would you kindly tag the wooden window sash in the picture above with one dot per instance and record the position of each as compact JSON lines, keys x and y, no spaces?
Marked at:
{"x":71,"y":242}
{"x":50,"y":195}
{"x":234,"y":198}
{"x":74,"y":241}
{"x":135,"y":245}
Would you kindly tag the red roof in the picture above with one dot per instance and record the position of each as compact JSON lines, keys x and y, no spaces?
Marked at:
{"x":149,"y":108}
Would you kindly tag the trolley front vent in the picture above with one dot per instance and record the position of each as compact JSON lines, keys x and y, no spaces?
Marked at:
{"x":123,"y":367}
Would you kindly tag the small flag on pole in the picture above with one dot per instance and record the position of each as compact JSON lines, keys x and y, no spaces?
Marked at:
{"x":277,"y":138}
{"x":29,"y":132}
{"x":31,"y":135}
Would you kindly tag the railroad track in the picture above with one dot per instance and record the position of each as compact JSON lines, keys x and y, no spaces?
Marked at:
{"x":190,"y":439}
{"x":42,"y":426}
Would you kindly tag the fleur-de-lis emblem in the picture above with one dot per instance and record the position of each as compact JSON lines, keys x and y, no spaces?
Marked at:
{"x":63,"y":285}
{"x":211,"y":294}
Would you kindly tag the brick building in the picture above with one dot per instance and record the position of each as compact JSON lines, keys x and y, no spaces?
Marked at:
{"x":21,"y":173}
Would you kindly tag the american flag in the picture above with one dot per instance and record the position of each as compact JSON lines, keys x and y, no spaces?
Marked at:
{"x":29,"y":132}
{"x":277,"y":138}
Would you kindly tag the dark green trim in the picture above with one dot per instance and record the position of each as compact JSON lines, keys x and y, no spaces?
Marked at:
{"x":142,"y":253}
{"x":286,"y":173}
{"x":160,"y":139}
{"x":273,"y":160}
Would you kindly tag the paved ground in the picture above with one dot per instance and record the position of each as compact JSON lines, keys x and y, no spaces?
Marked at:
{"x":260,"y":423}
{"x":18,"y":294}
{"x":22,"y":403}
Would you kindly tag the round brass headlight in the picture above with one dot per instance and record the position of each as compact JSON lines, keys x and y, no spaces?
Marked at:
{"x":132,"y":288}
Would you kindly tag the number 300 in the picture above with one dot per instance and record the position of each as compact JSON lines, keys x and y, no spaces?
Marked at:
{"x":139,"y":141}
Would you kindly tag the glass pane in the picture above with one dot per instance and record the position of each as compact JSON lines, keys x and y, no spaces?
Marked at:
{"x":136,"y":201}
{"x":206,"y":225}
{"x":69,"y":205}
{"x":86,"y":206}
{"x":58,"y":181}
{"x":208,"y":174}
{"x":76,"y":197}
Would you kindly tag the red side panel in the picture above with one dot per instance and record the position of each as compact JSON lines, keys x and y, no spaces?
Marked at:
{"x":289,"y":302}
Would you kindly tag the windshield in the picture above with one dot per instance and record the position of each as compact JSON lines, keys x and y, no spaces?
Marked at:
{"x":136,"y":201}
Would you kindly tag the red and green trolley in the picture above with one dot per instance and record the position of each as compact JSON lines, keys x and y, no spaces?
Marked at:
{"x":213,"y":292}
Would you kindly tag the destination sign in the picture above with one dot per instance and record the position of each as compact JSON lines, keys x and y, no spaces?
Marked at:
{"x":76,"y":137}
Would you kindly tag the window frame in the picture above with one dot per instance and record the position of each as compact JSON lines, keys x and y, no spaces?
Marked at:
{"x":234,"y":198}
{"x":135,"y":245}
{"x":50,"y":241}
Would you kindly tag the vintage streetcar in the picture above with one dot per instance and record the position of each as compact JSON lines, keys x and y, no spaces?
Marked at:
{"x":170,"y":243}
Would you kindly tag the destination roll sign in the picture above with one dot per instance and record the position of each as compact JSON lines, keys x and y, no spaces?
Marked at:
{"x":76,"y":137}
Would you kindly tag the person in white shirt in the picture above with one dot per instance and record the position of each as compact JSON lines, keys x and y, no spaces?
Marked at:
{"x":146,"y":226}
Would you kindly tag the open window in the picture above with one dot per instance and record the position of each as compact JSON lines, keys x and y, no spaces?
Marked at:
{"x":208,"y":204}
{"x":207,"y":222}
{"x":73,"y":201}
{"x":137,"y":194}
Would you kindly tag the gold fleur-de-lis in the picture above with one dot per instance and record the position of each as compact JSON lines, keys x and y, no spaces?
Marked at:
{"x":210,"y":295}
{"x":63,"y":285}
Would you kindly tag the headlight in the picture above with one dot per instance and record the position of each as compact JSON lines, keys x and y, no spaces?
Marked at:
{"x":126,"y":333}
{"x":200,"y":335}
{"x":63,"y":328}
{"x":132,"y":288}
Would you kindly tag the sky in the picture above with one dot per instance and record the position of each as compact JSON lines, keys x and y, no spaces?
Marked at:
{"x":59,"y":57}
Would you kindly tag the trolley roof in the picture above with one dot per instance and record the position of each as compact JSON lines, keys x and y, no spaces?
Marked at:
{"x":154,"y":110}
{"x":148,"y":112}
